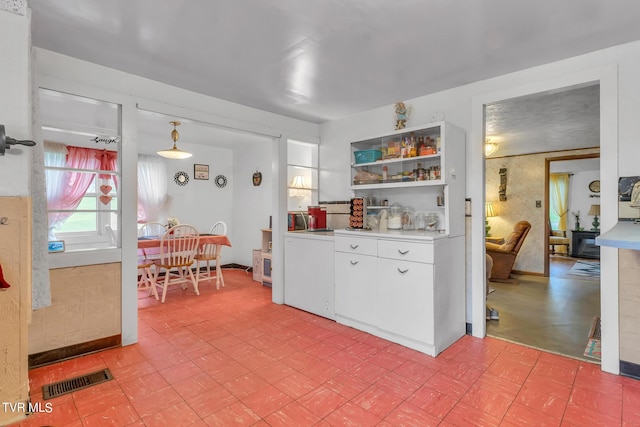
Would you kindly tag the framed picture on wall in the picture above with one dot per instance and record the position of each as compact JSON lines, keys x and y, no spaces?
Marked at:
{"x":200,"y":171}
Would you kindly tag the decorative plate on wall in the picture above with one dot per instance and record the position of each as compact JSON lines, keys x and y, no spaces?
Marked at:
{"x":220,"y":181}
{"x":181,"y":178}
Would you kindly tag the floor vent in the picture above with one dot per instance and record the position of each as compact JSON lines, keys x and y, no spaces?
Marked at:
{"x":49,"y":391}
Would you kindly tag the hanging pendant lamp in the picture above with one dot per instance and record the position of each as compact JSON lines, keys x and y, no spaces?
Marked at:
{"x":175,"y":152}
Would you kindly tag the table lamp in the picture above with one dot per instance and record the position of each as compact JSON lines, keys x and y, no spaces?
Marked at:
{"x":489,"y":212}
{"x":595,"y":211}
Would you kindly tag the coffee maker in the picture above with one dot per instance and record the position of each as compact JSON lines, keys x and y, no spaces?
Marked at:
{"x":317,"y":218}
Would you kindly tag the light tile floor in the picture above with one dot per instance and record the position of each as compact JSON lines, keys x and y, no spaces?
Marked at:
{"x":233,"y":358}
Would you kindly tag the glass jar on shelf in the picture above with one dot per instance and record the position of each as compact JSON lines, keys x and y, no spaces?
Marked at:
{"x":408,"y":218}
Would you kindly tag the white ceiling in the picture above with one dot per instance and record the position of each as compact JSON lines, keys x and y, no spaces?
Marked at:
{"x":319,"y":60}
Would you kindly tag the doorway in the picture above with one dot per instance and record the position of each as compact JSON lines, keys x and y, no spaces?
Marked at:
{"x":550,"y":312}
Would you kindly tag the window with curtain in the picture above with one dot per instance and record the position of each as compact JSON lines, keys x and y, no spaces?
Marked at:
{"x":152,"y":187}
{"x":558,"y":200}
{"x":82,"y":196}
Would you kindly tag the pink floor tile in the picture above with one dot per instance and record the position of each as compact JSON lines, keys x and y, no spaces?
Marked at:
{"x":322,"y":401}
{"x":236,"y":414}
{"x":293,"y":414}
{"x":267,"y":400}
{"x":351,"y":414}
{"x":232,"y":357}
{"x":432,"y":402}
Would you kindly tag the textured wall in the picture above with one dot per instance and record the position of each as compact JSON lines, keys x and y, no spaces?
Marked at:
{"x":15,"y":302}
{"x":629,"y":271}
{"x":85,"y":305}
{"x":525,"y":185}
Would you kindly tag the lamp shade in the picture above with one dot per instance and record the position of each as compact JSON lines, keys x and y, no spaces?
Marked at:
{"x":298,"y":187}
{"x":490,"y":147}
{"x":174,"y":152}
{"x":594,"y":210}
{"x":489,"y":212}
{"x":299,"y":182}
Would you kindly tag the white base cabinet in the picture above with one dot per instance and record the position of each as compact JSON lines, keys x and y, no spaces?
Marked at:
{"x":408,"y":291}
{"x":356,"y":295}
{"x":309,"y":273}
{"x":405,"y":294}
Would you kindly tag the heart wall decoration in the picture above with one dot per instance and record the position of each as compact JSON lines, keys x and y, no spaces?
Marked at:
{"x":106,"y":189}
{"x":105,"y":199}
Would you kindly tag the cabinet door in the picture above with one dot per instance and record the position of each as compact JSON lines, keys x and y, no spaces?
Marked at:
{"x":356,"y":286}
{"x":405,"y":299}
{"x":308,"y":275}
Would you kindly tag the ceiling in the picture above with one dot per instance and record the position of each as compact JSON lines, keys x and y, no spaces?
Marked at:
{"x":319,"y":60}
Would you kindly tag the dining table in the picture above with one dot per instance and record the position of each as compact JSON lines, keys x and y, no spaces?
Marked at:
{"x":151,"y":246}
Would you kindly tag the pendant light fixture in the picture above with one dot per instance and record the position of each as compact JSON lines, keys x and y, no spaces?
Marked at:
{"x":174,"y":153}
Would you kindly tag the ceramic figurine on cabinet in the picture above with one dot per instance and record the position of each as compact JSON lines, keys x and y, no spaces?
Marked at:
{"x":402,"y":115}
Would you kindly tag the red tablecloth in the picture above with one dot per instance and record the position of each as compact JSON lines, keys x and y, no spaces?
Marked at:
{"x":145,"y":242}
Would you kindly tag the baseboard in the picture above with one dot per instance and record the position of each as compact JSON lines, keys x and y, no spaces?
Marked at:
{"x":75,"y":350}
{"x":528,"y":273}
{"x":630,"y":369}
{"x":237,"y":267}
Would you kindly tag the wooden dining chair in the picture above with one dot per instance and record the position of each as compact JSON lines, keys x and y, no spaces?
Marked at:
{"x":178,"y":248}
{"x":211,"y":253}
{"x":219,"y":228}
{"x":146,"y":280}
{"x":152,"y":229}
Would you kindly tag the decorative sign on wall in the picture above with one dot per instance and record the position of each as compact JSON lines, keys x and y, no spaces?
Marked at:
{"x":200,"y":171}
{"x":502,"y":190}
{"x":105,"y":139}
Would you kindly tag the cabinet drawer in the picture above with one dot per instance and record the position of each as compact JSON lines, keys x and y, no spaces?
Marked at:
{"x":356,"y":245}
{"x":407,"y":251}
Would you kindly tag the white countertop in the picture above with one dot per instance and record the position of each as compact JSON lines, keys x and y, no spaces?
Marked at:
{"x":623,"y":235}
{"x":403,"y":234}
{"x":313,"y":235}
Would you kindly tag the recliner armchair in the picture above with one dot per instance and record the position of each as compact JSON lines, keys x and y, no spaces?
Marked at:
{"x":504,"y":255}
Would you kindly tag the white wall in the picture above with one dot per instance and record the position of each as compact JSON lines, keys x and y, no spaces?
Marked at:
{"x":252,"y":205}
{"x":15,"y":104}
{"x":579,"y":199}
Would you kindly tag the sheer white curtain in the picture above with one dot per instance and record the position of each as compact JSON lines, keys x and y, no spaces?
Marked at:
{"x":55,"y":155}
{"x":152,"y":187}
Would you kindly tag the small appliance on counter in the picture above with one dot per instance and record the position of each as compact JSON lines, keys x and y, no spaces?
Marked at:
{"x":317,"y":218}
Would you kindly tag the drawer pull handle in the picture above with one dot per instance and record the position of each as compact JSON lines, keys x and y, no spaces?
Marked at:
{"x":354,"y":262}
{"x":402,"y":271}
{"x":403,"y":252}
{"x":354,"y":246}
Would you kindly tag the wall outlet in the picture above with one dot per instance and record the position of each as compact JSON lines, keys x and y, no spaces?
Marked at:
{"x":538,"y":203}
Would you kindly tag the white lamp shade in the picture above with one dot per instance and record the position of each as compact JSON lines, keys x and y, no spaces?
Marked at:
{"x":174,"y":153}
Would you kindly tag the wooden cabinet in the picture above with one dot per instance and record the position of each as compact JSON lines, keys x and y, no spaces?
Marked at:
{"x":309,"y":274}
{"x":583,"y":244}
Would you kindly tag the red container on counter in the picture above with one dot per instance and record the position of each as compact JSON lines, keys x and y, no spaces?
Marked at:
{"x":319,"y":215}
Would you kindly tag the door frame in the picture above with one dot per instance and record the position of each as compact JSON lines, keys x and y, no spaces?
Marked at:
{"x":547,"y":166}
{"x":607,"y":77}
